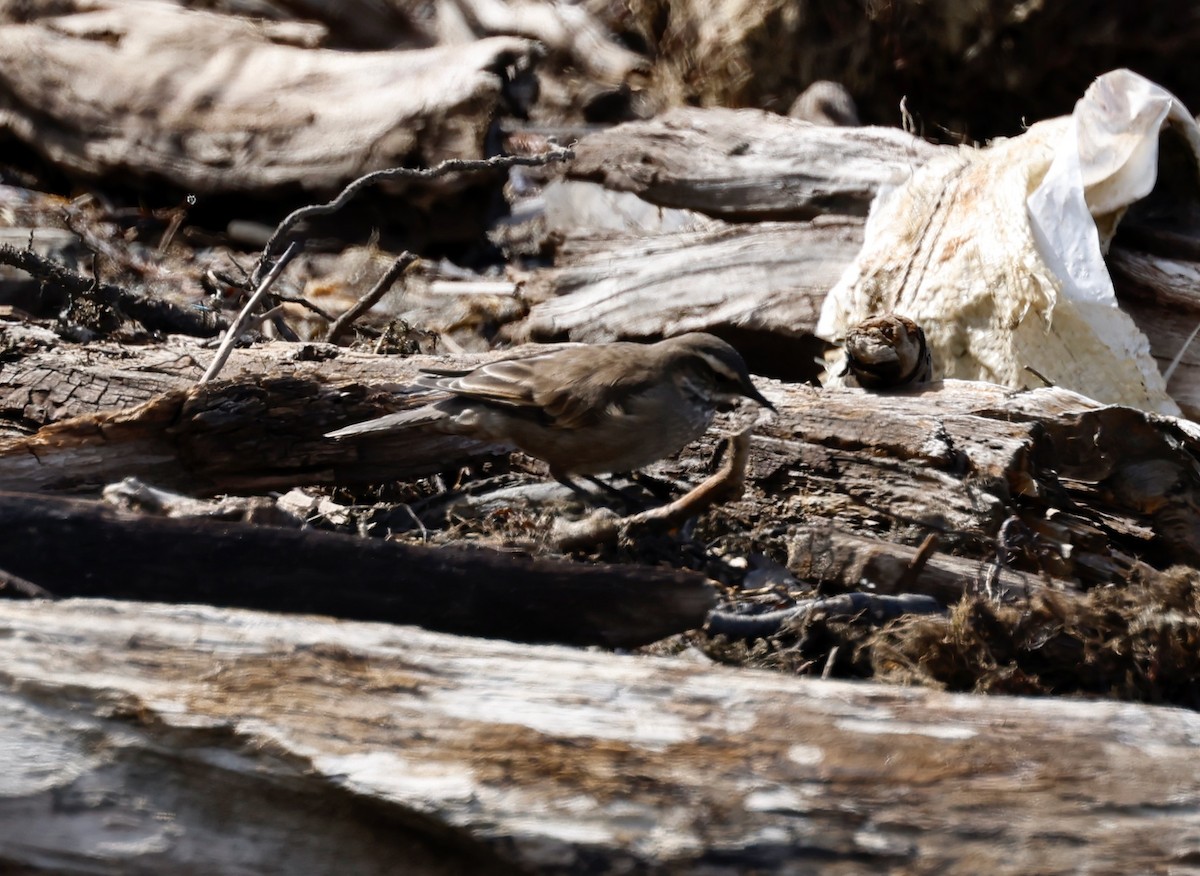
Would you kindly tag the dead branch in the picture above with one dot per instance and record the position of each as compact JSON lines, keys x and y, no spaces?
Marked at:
{"x":156,"y":314}
{"x":876,"y":607}
{"x":453,"y":165}
{"x":369,"y":300}
{"x":235,"y":330}
{"x":725,"y":485}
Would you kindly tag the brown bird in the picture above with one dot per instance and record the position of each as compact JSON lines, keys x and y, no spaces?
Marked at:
{"x":585,"y":409}
{"x":826,"y":103}
{"x":887,"y":352}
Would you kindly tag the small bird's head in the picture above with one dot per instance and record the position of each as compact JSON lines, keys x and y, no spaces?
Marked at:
{"x":888,"y":352}
{"x":718,"y":366}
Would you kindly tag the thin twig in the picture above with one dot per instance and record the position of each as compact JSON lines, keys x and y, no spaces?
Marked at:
{"x":1039,"y":375}
{"x":1179,"y":356}
{"x":908,"y":579}
{"x":382,"y":285}
{"x":726,"y":485}
{"x":827,"y":672}
{"x":176,"y":216}
{"x":14,"y":585}
{"x":451,"y":166}
{"x":260,"y":319}
{"x":876,"y":608}
{"x":306,"y":304}
{"x":243,"y":317}
{"x":154,"y":313}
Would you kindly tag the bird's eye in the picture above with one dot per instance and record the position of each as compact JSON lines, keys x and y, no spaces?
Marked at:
{"x":727,"y":381}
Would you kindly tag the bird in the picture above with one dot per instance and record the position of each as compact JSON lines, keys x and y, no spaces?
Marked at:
{"x":826,"y":103}
{"x":887,"y":352}
{"x":584,"y":409}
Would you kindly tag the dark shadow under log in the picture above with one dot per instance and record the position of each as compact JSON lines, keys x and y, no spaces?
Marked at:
{"x":78,"y":548}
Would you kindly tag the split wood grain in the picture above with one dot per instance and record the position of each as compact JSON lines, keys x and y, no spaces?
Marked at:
{"x":187,"y":739}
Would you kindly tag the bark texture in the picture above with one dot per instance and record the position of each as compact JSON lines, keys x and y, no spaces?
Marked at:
{"x":213,"y":103}
{"x":148,"y":738}
{"x":749,"y":164}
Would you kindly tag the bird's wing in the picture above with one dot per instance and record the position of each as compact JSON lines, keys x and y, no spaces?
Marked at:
{"x":506,"y":382}
{"x":588,"y":388}
{"x":565,"y":391}
{"x":391,"y":423}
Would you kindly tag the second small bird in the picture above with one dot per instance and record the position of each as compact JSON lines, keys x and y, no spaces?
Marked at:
{"x":586,"y":409}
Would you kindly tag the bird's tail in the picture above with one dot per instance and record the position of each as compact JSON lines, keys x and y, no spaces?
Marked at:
{"x":390,"y":424}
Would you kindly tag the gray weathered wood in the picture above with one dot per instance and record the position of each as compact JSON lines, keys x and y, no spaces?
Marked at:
{"x":1095,"y":483}
{"x":212,"y":103}
{"x":750,"y":164}
{"x":150,"y":739}
{"x":766,"y":277}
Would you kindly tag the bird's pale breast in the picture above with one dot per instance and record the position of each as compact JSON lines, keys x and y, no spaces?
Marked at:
{"x":644,"y":429}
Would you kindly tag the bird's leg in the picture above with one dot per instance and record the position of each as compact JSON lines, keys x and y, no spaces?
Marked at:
{"x":566,"y":481}
{"x":615,"y":492}
{"x":661,"y":489}
{"x":605,"y":490}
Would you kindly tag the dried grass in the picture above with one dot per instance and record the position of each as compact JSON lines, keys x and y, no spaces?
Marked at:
{"x":1137,"y":641}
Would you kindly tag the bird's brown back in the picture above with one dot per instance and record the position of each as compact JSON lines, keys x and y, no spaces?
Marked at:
{"x":567,"y":392}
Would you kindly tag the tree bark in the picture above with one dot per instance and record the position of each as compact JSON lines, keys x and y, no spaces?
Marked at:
{"x":749,"y":164}
{"x":1090,"y":484}
{"x":148,"y":739}
{"x":213,"y":103}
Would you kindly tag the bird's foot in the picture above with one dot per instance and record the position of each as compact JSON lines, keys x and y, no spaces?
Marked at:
{"x":660,"y":488}
{"x":629,"y":498}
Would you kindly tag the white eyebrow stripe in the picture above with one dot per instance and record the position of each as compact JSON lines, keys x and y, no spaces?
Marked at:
{"x":720,"y":366}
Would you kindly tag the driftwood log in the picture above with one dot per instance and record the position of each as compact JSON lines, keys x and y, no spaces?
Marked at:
{"x":1096,"y":485}
{"x":143,"y":738}
{"x":213,"y":103}
{"x":298,"y":736}
{"x":765,"y":278}
{"x":749,"y":164}
{"x":135,"y":424}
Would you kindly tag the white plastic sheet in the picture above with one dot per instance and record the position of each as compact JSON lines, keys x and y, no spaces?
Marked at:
{"x":999,"y":252}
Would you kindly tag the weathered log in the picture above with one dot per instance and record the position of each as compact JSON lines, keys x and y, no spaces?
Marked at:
{"x":251,"y":434}
{"x":1086,"y":483}
{"x":820,"y":552}
{"x":145,"y":738}
{"x":471,"y":592}
{"x":1159,"y":293}
{"x":212,"y":103}
{"x":51,"y":381}
{"x":767,"y":278}
{"x":748,"y":164}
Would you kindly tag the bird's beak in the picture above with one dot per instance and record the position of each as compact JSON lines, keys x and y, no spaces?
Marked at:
{"x":750,"y":391}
